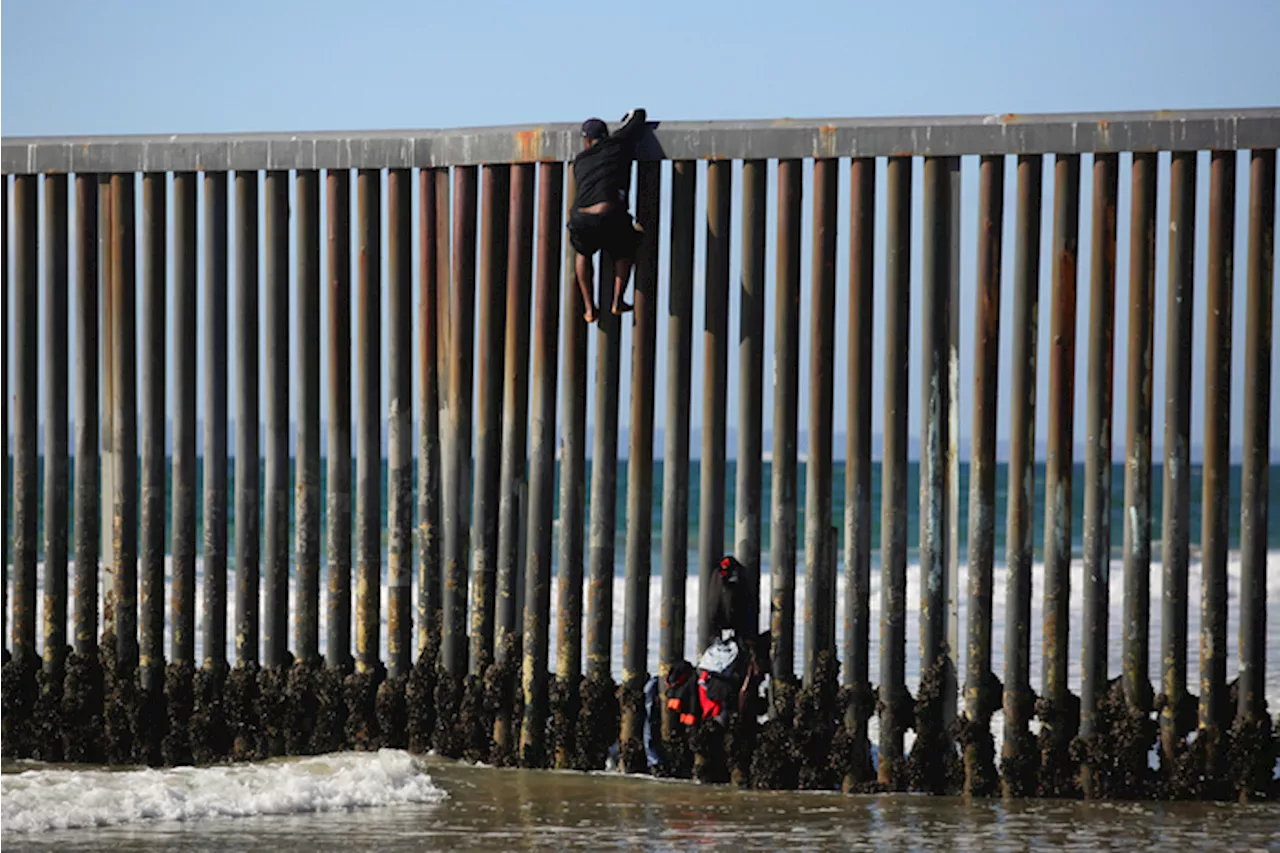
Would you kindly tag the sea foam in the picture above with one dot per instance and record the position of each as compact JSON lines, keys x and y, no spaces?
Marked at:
{"x":47,"y":798}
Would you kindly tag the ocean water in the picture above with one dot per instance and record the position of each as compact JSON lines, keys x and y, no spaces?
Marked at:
{"x":390,"y":801}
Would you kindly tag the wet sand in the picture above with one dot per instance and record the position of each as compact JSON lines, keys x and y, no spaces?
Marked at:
{"x":490,"y":809}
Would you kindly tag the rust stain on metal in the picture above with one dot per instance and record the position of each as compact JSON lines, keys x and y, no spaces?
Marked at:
{"x":1067,"y":269}
{"x":529,"y":145}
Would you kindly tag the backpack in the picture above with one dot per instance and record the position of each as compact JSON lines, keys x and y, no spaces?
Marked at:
{"x":726,"y":679}
{"x":720,"y":672}
{"x":682,"y":693}
{"x":730,"y":673}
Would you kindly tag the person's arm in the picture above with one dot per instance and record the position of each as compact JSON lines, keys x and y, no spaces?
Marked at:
{"x":632,"y":125}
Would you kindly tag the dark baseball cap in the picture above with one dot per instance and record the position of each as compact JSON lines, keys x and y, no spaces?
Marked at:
{"x":594,"y":129}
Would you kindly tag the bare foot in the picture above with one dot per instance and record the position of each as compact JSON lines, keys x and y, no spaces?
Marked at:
{"x":590,"y":315}
{"x":622,"y":307}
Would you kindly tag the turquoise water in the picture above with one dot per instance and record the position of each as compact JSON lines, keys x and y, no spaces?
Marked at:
{"x":837,"y":520}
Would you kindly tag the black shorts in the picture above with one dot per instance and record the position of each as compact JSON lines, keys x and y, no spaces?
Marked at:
{"x":611,"y":231}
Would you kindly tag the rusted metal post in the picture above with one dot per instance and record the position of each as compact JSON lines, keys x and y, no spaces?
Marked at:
{"x":604,"y":478}
{"x":400,"y":507}
{"x":1020,"y":548}
{"x":457,"y":469}
{"x":1254,"y":494}
{"x":1058,"y":466}
{"x":895,"y":714}
{"x":515,"y":409}
{"x":714,"y":386}
{"x":215,"y":419}
{"x":832,"y":554}
{"x":1097,"y":467}
{"x":182,"y":600}
{"x":542,"y":467}
{"x":275,"y":565}
{"x":640,"y":454}
{"x":1137,"y":478}
{"x":635,"y":636}
{"x":604,"y":464}
{"x":306,"y":640}
{"x":86,"y":462}
{"x":55,"y":423}
{"x":857,"y":488}
{"x":154,"y":287}
{"x":604,"y":474}
{"x":747,"y":491}
{"x":247,"y":500}
{"x":573,"y":444}
{"x":400,"y":423}
{"x":153,"y":351}
{"x":675,"y":456}
{"x":124,"y":417}
{"x":26,"y":336}
{"x":1176,"y":717}
{"x":935,"y":310}
{"x":368,"y":422}
{"x":1216,"y":505}
{"x":338,"y":510}
{"x":820,"y":588}
{"x":106,"y":217}
{"x":522,"y":537}
{"x":25,"y":344}
{"x":786,"y":389}
{"x":429,"y":351}
{"x":444,"y":276}
{"x":951,"y":456}
{"x":5,"y":502}
{"x":492,"y":308}
{"x":980,"y":698}
{"x":443,"y":181}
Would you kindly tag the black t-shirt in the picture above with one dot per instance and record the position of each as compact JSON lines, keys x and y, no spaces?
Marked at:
{"x":603,"y":171}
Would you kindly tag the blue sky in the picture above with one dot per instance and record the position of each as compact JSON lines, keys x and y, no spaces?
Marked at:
{"x":154,"y":67}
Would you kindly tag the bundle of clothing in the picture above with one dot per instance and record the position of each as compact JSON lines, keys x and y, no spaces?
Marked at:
{"x":732,"y":674}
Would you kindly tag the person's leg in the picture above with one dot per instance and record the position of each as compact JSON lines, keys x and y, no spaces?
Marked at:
{"x":621,"y":274}
{"x":625,"y":236}
{"x":584,"y":271}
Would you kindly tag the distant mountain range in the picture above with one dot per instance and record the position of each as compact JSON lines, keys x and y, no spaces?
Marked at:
{"x":838,"y":444}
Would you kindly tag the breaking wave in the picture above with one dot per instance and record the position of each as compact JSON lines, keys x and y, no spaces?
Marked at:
{"x":43,"y":799}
